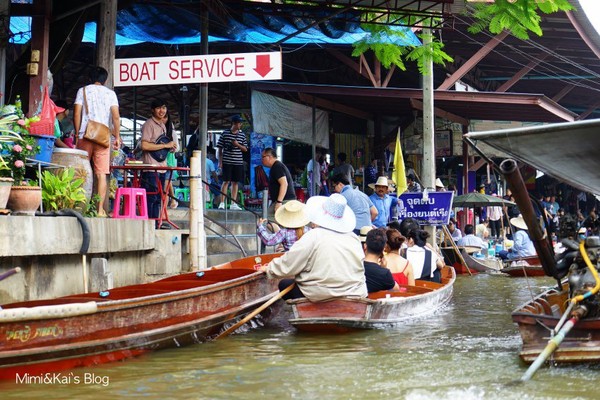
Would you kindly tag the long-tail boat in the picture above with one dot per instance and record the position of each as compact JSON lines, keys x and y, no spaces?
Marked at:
{"x":563,"y":323}
{"x":524,"y":267}
{"x":379,"y":309}
{"x":37,"y":337}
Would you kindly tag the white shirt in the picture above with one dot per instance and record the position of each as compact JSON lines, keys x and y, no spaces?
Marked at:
{"x":416,"y":256}
{"x":471,"y":240}
{"x":99,"y":100}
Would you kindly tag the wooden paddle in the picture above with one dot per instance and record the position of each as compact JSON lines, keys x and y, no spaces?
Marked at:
{"x":550,"y":348}
{"x":255,"y":312}
{"x":10,"y":272}
{"x":455,"y":247}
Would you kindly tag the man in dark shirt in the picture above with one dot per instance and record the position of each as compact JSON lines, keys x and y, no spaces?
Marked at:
{"x":281,"y":185}
{"x":378,"y":277}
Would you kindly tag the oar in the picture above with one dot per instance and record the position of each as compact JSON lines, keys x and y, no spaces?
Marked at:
{"x":550,"y":348}
{"x":256,"y":312}
{"x":10,"y":272}
{"x":455,"y":247}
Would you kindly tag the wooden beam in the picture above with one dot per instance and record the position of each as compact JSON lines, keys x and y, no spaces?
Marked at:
{"x":40,"y":38}
{"x":330,"y":105}
{"x":418,"y":105}
{"x":524,"y":71}
{"x":365,"y":64}
{"x":389,"y":76}
{"x":348,"y":62}
{"x":587,"y":112}
{"x":473,"y":61}
{"x":563,"y":92}
{"x":477,"y":165}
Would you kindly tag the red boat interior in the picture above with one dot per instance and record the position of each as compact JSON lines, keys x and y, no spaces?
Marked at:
{"x":171,"y":284}
{"x":554,"y":304}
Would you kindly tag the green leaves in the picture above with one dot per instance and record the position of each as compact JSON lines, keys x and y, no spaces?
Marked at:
{"x":62,"y":190}
{"x":519,"y":17}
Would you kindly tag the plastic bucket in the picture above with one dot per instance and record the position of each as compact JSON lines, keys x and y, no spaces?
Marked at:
{"x":46,"y":144}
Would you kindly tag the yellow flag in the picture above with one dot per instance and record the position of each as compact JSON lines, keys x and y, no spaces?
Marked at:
{"x":399,"y":175}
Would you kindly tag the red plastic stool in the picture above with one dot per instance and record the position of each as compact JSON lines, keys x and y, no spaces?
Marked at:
{"x":134,"y":203}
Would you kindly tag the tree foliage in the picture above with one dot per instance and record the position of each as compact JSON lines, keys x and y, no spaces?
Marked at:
{"x":519,"y":17}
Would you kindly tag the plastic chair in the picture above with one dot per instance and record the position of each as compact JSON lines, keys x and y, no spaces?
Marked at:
{"x":240,"y":198}
{"x":182,"y":194}
{"x":135,"y":205}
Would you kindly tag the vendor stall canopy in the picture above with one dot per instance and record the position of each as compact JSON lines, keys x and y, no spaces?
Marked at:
{"x":144,"y":23}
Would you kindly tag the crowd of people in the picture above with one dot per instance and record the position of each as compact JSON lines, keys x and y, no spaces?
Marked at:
{"x":325,"y":258}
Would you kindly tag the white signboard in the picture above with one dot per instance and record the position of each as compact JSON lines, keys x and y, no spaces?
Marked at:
{"x":197,"y":69}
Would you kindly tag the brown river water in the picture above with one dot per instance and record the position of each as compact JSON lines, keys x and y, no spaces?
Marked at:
{"x":468,"y":350}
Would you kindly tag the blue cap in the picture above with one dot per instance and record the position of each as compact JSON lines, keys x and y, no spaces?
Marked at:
{"x":236,"y":118}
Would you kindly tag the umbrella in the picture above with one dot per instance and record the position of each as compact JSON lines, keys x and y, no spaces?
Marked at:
{"x":475,"y":199}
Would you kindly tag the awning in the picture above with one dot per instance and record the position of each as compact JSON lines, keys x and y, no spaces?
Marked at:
{"x":566,"y":151}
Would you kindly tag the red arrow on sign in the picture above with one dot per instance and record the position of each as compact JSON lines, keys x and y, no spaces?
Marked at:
{"x":263,"y":64}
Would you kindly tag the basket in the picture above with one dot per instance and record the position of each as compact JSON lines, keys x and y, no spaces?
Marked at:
{"x":43,"y":128}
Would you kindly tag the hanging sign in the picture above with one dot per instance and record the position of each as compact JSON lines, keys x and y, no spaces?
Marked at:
{"x":197,"y":69}
{"x":431,"y":208}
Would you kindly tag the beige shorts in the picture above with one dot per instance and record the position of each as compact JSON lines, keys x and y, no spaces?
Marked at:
{"x":97,"y":154}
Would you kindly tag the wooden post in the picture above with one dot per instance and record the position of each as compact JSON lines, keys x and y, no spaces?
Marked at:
{"x":40,"y":34}
{"x":106,"y":31}
{"x":4,"y":12}
{"x":428,"y":174}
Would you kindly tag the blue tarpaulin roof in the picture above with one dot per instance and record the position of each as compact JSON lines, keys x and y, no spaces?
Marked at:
{"x":174,"y":25}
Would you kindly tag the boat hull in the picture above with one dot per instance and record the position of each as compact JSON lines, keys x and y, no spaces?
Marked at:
{"x":535,"y":319}
{"x":176,"y":311}
{"x":529,"y":266}
{"x":379,"y":310}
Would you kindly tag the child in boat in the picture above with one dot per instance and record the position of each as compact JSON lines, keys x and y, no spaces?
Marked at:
{"x":400,"y":267}
{"x":377,"y":277}
{"x":291,"y":225}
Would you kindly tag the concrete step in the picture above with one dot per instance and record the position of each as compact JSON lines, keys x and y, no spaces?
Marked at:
{"x":235,"y":221}
{"x":216,"y":244}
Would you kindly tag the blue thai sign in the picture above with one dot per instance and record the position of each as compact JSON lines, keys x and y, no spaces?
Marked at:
{"x":429,"y":208}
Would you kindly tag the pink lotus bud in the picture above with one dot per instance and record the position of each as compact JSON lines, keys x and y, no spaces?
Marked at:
{"x":17,"y":148}
{"x":28,"y":147}
{"x":21,"y":122}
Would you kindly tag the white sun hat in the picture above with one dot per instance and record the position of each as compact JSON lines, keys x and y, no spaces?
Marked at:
{"x":331,"y":212}
{"x":439,"y":183}
{"x":381,"y":181}
{"x":363,"y":232}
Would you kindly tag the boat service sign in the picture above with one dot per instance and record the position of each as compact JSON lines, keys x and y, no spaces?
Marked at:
{"x":197,"y":69}
{"x":428,"y":208}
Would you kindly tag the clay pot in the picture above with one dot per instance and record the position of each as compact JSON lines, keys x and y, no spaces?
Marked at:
{"x":24,"y":200}
{"x":5,"y":186}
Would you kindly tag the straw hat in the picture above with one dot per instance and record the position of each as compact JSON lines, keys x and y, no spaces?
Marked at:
{"x":518,"y":222}
{"x":291,"y":215}
{"x":582,"y":230}
{"x":363,"y":232}
{"x":438,"y":183}
{"x":331,"y":212}
{"x":381,"y":181}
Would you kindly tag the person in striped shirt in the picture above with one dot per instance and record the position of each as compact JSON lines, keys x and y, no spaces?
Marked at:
{"x":230,"y":147}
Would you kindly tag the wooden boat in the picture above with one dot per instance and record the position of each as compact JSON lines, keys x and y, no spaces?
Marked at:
{"x":526,"y":266}
{"x":43,"y":336}
{"x":487,"y":264}
{"x":537,"y":317}
{"x":380,"y":309}
{"x":474,"y":264}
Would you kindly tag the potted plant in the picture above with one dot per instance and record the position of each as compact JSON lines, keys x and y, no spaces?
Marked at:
{"x":16,"y":146}
{"x":62,"y":191}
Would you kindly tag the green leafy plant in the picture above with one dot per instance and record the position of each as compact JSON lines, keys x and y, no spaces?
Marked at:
{"x":61,"y":191}
{"x":92,"y":207}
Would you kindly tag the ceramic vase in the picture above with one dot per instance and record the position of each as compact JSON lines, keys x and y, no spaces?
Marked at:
{"x":5,"y":186}
{"x":24,"y":200}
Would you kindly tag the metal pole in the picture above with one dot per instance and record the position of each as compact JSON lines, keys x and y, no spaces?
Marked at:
{"x":203,"y":101}
{"x":197,"y":241}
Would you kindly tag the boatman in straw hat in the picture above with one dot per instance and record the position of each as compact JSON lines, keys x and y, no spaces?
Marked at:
{"x":523,"y":246}
{"x":327,"y":261}
{"x":387,"y":206}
